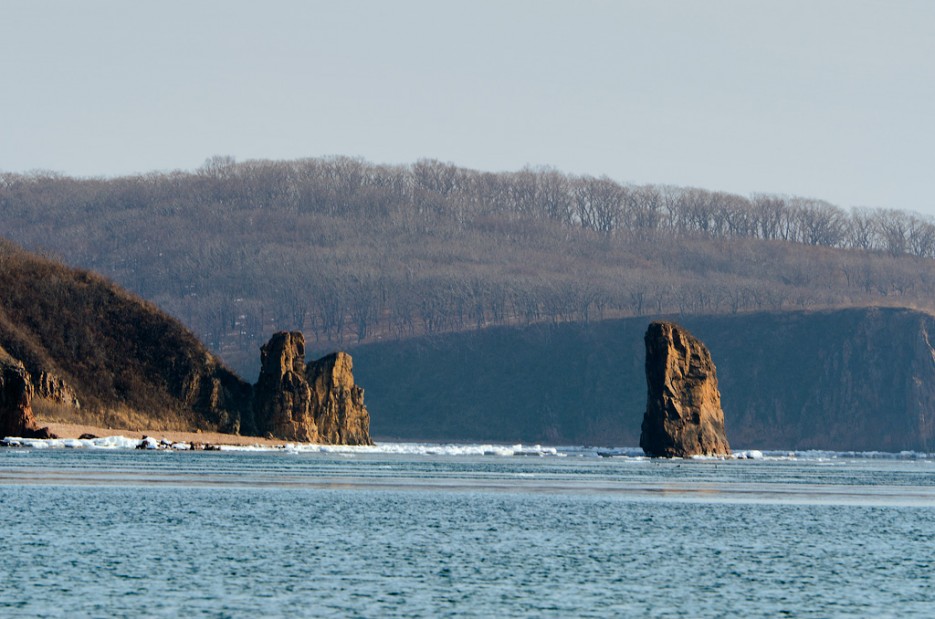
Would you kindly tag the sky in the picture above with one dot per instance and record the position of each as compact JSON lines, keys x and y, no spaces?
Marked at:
{"x":828,"y":99}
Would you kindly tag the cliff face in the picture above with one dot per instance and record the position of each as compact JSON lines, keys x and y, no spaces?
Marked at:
{"x":683,"y":405}
{"x":51,"y":387}
{"x":341,"y":415}
{"x":317,"y":403}
{"x":16,"y":393}
{"x":282,"y":404}
{"x":855,"y":379}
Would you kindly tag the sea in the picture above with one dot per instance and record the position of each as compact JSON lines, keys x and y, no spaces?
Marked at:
{"x":97,"y":529}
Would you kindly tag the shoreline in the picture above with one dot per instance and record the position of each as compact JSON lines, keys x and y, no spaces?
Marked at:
{"x":72,"y":430}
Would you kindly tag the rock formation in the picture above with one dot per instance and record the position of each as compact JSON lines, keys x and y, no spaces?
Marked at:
{"x":340,"y":414}
{"x":683,"y":408}
{"x":16,"y":392}
{"x":318,"y":403}
{"x":281,"y":397}
{"x":55,"y":389}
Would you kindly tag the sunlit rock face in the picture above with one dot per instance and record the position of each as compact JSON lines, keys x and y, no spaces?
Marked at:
{"x":683,"y":405}
{"x":317,"y":403}
{"x":338,"y":403}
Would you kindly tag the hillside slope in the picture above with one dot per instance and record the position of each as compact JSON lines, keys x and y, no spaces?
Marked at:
{"x":352,"y":252}
{"x":854,"y":379}
{"x":100,"y":355}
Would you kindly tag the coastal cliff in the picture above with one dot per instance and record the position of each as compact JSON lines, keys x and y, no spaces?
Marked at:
{"x":92,"y":353}
{"x":852,"y":379}
{"x":16,"y":393}
{"x":683,"y":405}
{"x":75,"y":348}
{"x":96,"y":354}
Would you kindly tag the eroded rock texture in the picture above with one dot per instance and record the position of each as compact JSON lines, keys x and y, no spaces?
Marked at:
{"x":16,"y":393}
{"x":318,"y":404}
{"x":683,"y":408}
{"x":339,"y":407}
{"x":55,"y":389}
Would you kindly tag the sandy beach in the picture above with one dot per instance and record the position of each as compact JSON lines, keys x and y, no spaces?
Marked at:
{"x":70,"y":430}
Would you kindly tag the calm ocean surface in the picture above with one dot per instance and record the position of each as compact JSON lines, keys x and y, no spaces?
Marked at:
{"x":428,"y":532}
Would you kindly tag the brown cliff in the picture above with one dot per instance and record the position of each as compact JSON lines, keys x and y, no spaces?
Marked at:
{"x":340,"y":412}
{"x":317,"y":403}
{"x":683,"y":408}
{"x":16,"y":392}
{"x":55,"y":389}
{"x":282,"y":399}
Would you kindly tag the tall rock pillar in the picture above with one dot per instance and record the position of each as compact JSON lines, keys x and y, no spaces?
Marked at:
{"x":282,"y":398}
{"x":683,"y":405}
{"x":339,"y":404}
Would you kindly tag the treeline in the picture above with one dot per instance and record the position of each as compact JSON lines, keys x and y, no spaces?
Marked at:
{"x":429,"y":189}
{"x":351,"y":251}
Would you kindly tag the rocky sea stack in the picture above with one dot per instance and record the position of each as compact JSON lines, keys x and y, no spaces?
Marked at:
{"x":317,"y":403}
{"x":683,"y":406}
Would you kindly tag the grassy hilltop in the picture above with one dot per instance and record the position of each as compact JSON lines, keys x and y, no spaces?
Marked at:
{"x":126,"y":363}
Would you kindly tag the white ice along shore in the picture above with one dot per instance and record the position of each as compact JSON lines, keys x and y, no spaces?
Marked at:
{"x":107,"y":442}
{"x":150,"y":443}
{"x":438,"y":449}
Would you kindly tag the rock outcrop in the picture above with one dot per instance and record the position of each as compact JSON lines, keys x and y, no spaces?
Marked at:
{"x":340,"y":413}
{"x":683,"y":408}
{"x":55,"y":389}
{"x":282,"y":398}
{"x":314,"y":403}
{"x":16,"y":392}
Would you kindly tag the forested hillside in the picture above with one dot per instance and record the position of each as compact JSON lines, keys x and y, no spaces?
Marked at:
{"x":349,"y":251}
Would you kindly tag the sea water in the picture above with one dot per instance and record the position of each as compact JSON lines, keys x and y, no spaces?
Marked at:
{"x":463,"y":531}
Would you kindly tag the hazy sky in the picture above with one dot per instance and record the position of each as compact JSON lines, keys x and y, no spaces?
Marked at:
{"x":831,"y":99}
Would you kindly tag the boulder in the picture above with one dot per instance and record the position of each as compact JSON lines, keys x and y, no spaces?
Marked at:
{"x":683,"y":405}
{"x":318,"y":403}
{"x":16,"y":393}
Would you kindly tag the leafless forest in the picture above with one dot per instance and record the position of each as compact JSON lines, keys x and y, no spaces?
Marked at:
{"x":350,"y":251}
